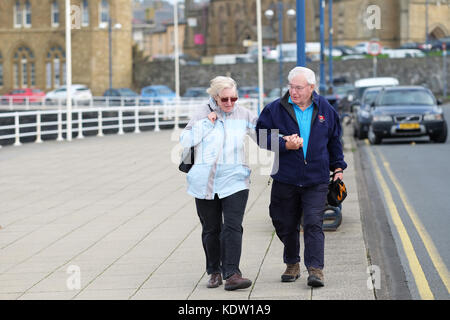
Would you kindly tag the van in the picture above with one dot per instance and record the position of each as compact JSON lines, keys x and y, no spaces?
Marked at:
{"x":362,"y":84}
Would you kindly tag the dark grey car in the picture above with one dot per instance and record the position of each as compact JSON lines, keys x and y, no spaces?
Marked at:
{"x":406,"y":111}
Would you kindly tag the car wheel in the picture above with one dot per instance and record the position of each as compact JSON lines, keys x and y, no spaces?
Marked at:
{"x":373,"y":138}
{"x":442,"y":136}
{"x":361,"y":133}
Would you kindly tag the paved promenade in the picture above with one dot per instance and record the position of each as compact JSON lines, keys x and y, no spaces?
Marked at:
{"x":109,"y":218}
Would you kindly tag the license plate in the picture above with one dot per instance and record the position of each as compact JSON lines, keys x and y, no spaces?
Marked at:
{"x":408,"y":126}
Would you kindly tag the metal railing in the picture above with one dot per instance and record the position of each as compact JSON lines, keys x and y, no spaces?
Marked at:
{"x":37,"y":123}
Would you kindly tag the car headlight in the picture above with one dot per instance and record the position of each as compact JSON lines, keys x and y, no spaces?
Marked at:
{"x":365,"y":114}
{"x":382,"y":118}
{"x":433,"y":117}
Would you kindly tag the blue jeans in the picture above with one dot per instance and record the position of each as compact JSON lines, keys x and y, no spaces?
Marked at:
{"x":287,"y":204}
{"x":222,"y":230}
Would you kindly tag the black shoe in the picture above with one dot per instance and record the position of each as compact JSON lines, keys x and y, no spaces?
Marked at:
{"x":237,"y":282}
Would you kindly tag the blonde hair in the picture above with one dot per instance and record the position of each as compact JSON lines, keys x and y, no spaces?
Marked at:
{"x":219,"y":83}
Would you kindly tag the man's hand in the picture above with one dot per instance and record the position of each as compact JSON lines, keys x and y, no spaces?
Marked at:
{"x":293,"y":142}
{"x":212,"y":117}
{"x":339,"y":175}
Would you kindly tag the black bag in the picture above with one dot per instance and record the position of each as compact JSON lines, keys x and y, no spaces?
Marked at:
{"x":188,"y":160}
{"x":337,"y":192}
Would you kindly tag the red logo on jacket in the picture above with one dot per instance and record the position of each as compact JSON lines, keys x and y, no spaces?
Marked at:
{"x":321,"y":118}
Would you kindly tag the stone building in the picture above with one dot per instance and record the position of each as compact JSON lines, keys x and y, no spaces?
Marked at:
{"x":225,"y":24}
{"x":32,"y":44}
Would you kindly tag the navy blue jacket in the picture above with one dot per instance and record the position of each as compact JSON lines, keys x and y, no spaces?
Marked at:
{"x":324,"y":153}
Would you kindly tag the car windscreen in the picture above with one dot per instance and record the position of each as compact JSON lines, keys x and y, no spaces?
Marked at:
{"x":369,"y":97}
{"x":406,"y":97}
{"x":164,"y":91}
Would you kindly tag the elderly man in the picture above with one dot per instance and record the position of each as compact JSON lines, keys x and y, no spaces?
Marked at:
{"x":308,"y":130}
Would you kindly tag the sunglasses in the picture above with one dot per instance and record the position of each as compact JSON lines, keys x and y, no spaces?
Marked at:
{"x":233,"y":99}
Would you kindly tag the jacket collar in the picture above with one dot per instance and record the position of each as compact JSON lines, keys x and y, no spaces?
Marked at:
{"x":290,"y":109}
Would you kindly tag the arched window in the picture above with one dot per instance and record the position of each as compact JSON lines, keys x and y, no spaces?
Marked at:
{"x":1,"y":70}
{"x":24,"y":71}
{"x":55,"y":67}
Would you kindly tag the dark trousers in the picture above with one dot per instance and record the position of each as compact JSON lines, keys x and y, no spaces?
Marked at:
{"x":287,"y":204}
{"x":222,"y":230}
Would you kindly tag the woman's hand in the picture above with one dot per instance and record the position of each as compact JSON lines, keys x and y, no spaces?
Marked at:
{"x":212,"y":117}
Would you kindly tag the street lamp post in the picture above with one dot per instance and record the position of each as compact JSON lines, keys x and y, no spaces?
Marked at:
{"x":117,"y":26}
{"x":269,"y":14}
{"x":330,"y":42}
{"x":322,"y":85}
{"x":301,"y":33}
{"x":177,"y":63}
{"x":68,"y":71}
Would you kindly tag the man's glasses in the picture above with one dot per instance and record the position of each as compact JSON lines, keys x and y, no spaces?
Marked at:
{"x":296,"y":88}
{"x":232,"y":99}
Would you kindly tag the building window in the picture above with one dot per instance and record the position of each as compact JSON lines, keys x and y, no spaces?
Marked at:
{"x":17,"y":15}
{"x":27,"y":14}
{"x":104,"y":12}
{"x":24,"y":71}
{"x":55,"y":14}
{"x":55,"y":67}
{"x":85,"y":13}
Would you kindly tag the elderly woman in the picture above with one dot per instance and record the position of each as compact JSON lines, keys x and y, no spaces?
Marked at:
{"x":219,"y":179}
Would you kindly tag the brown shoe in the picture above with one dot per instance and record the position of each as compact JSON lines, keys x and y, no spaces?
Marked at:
{"x":214,"y":281}
{"x":237,"y":282}
{"x":315,"y":278}
{"x":292,"y":272}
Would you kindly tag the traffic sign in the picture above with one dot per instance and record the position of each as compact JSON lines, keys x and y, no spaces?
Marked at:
{"x":374,"y":48}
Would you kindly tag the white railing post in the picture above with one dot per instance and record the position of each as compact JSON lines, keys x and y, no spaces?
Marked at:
{"x":27,"y":103}
{"x":100,"y":123}
{"x":38,"y":127}
{"x":80,"y":125}
{"x":136,"y":120}
{"x":120,"y":121}
{"x":60,"y":138}
{"x":157,"y":120}
{"x":17,"y":129}
{"x":176,"y":120}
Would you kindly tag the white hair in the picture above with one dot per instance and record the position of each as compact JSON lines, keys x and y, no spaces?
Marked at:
{"x":307,"y":73}
{"x":219,"y":83}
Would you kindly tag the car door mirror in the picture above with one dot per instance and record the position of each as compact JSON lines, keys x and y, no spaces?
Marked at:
{"x":439,"y":102}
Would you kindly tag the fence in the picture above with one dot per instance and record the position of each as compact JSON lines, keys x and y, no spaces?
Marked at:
{"x":30,"y":122}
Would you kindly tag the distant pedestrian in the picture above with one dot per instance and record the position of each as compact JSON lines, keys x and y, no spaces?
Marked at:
{"x":309,"y":148}
{"x":219,"y":179}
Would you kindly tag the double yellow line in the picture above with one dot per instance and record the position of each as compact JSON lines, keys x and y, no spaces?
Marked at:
{"x":414,"y":264}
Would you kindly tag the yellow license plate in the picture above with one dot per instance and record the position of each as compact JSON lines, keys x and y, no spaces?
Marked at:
{"x":408,"y":126}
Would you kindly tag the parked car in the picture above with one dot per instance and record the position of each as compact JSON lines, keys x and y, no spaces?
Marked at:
{"x":361,"y":116}
{"x":158,"y":94}
{"x":361,"y":48}
{"x":121,"y":96}
{"x":404,"y":53}
{"x":274,"y":94}
{"x":410,"y":45}
{"x":406,"y":111}
{"x":248,"y":92}
{"x":346,"y":50}
{"x":33,"y":95}
{"x":80,"y":94}
{"x":196,"y":92}
{"x":362,"y":84}
{"x":339,"y":92}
